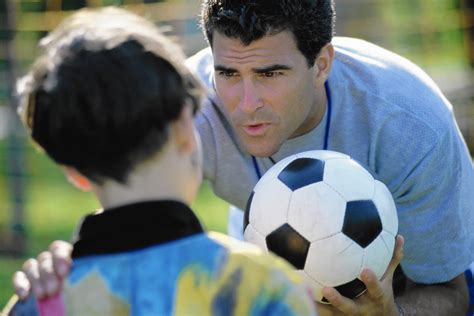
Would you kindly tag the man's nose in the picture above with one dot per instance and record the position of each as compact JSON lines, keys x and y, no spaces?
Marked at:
{"x":250,"y":99}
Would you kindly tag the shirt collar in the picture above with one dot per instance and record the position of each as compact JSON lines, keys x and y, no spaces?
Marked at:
{"x":134,"y":226}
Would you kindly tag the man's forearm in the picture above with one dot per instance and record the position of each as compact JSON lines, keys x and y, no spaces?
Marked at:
{"x":449,"y":298}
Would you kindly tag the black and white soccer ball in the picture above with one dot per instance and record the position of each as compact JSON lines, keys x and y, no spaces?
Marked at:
{"x":326,"y":215}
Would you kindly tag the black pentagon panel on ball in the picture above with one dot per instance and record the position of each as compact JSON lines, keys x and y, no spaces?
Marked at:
{"x":350,"y":290}
{"x":247,"y":210}
{"x":302,"y":172}
{"x":289,"y":244}
{"x":362,"y":222}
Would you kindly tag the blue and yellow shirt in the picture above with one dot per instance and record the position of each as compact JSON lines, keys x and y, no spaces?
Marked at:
{"x":153,"y":258}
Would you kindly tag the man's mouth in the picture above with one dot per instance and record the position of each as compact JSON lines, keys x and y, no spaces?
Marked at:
{"x":256,"y":129}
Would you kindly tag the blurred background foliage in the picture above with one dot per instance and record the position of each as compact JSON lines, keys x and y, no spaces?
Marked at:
{"x":37,"y":205}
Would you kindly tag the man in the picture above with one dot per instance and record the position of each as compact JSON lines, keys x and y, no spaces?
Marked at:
{"x":112,"y":103}
{"x":284,"y":85}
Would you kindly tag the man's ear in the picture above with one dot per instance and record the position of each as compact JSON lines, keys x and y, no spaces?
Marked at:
{"x":77,"y":179}
{"x":183,"y":130}
{"x":323,"y":65}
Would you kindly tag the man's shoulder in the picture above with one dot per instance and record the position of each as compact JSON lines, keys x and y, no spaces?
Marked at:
{"x":344,"y":41}
{"x":202,"y":65}
{"x":360,"y":47}
{"x":386,"y":82}
{"x":364,"y":56}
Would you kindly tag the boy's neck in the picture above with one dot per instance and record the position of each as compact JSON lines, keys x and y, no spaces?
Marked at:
{"x":116,"y":195}
{"x":157,"y":179}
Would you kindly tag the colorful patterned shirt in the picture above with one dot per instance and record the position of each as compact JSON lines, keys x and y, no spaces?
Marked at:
{"x":153,"y":258}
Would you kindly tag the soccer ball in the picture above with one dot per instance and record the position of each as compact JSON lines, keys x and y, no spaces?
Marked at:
{"x":326,"y":215}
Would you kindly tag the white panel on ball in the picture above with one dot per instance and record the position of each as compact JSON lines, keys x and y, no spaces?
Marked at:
{"x":335,"y":260}
{"x":270,"y":211}
{"x":389,"y":241}
{"x":316,"y":211}
{"x":349,"y":178}
{"x":377,"y":256}
{"x":386,"y":206}
{"x":251,"y":235}
{"x":322,"y":154}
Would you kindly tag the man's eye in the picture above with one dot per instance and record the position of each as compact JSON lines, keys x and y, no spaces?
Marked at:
{"x":271,"y":74}
{"x":227,"y":74}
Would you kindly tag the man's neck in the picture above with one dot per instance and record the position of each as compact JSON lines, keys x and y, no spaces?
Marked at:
{"x":316,"y":115}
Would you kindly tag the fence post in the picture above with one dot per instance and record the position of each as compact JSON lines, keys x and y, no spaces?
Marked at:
{"x":15,"y":143}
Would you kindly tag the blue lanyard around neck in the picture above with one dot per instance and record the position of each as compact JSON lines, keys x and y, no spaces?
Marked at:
{"x":326,"y":131}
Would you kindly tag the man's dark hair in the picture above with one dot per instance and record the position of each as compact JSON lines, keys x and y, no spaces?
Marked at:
{"x":310,"y":21}
{"x":101,"y":98}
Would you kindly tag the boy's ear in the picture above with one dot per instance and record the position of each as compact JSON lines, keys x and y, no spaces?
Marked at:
{"x":323,"y":65}
{"x":77,"y":179}
{"x":183,"y":129}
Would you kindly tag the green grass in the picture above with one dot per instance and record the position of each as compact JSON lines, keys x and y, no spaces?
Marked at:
{"x":7,"y":267}
{"x":53,"y":207}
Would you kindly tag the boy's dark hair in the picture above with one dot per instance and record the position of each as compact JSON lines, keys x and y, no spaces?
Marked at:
{"x":310,"y":21}
{"x":101,"y":97}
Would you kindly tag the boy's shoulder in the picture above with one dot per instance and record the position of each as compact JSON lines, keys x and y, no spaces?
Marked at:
{"x":255,"y":281}
{"x":249,"y":254}
{"x":204,"y":274}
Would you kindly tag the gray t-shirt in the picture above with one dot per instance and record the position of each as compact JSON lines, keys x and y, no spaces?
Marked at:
{"x":392,"y":118}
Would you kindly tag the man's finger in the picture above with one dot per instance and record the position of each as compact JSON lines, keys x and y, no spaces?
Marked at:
{"x":373,"y":285}
{"x":30,"y":268}
{"x":21,"y":285}
{"x":396,"y":258}
{"x":48,"y":278}
{"x":339,"y":302}
{"x":61,"y":252}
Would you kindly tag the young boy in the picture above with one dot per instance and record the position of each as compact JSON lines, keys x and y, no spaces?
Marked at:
{"x":111,"y":101}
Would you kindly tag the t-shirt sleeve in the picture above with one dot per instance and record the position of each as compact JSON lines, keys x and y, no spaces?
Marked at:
{"x":435,"y":201}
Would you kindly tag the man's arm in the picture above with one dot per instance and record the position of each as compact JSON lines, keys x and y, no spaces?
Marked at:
{"x":450,"y":298}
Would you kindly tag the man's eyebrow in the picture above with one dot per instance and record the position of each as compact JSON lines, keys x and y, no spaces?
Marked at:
{"x":271,"y":68}
{"x":224,"y":68}
{"x":256,"y":70}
